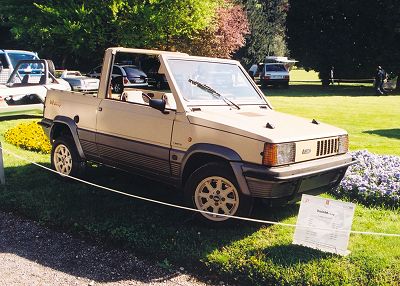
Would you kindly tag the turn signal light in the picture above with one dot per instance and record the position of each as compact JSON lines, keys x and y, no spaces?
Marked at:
{"x":279,"y":154}
{"x":343,"y":144}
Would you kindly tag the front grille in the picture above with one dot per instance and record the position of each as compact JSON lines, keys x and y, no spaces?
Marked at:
{"x":327,"y":147}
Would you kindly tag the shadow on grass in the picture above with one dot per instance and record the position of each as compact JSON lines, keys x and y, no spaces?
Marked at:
{"x":298,"y":254}
{"x":23,"y":116}
{"x":389,"y":133}
{"x":307,"y":90}
{"x":150,"y":230}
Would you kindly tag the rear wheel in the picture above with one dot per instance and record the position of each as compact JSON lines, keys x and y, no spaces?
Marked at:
{"x":65,"y":158}
{"x":118,"y":87}
{"x":213,"y":188}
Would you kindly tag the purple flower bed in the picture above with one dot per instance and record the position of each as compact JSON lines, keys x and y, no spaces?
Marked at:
{"x":374,"y":180}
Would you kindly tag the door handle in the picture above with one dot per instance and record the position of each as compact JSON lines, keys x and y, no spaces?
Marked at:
{"x":100,"y":108}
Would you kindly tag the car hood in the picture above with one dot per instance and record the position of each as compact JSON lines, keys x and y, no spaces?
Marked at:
{"x":252,"y":122}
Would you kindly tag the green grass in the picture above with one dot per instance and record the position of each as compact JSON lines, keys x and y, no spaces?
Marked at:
{"x":247,"y":253}
{"x":302,"y":75}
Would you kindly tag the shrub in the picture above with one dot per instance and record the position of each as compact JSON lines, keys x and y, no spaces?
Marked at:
{"x":29,"y":136}
{"x":374,"y":180}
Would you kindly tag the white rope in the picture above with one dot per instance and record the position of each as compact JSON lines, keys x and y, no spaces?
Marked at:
{"x":196,"y":210}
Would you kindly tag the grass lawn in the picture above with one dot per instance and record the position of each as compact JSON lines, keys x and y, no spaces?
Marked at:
{"x":303,"y":75}
{"x":247,"y":253}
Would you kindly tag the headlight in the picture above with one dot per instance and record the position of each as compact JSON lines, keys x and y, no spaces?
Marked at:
{"x":279,"y":154}
{"x":343,"y":144}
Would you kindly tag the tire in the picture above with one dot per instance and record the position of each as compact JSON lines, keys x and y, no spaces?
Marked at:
{"x":213,"y":187}
{"x":118,"y":87}
{"x":65,"y":158}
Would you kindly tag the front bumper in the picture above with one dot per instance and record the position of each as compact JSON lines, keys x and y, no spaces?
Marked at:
{"x":289,"y":182}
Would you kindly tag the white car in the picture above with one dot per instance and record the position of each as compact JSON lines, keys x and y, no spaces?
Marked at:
{"x":78,"y":82}
{"x":26,"y":89}
{"x":274,"y":74}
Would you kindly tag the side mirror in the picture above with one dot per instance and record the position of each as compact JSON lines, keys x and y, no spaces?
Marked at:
{"x":158,"y":104}
{"x":155,"y":103}
{"x":1,"y":66}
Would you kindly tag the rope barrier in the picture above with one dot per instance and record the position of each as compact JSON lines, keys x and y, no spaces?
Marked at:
{"x":338,"y":80}
{"x":197,"y":210}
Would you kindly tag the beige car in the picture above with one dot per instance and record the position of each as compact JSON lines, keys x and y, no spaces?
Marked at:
{"x":214,"y":135}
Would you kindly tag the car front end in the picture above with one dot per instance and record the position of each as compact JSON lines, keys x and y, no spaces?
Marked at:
{"x":279,"y":156}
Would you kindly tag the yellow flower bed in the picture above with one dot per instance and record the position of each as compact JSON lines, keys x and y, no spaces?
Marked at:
{"x":29,"y":136}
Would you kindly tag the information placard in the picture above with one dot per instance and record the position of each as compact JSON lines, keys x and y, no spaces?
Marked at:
{"x":324,"y":224}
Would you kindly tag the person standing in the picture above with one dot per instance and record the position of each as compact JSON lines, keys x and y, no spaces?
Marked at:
{"x":253,"y":70}
{"x":332,"y":78}
{"x":380,"y":77}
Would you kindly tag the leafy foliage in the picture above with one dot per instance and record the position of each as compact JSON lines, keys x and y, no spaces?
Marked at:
{"x":29,"y":136}
{"x":223,"y":37}
{"x":353,"y":37}
{"x":267,"y":22}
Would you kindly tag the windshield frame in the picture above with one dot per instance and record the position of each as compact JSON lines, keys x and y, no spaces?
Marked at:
{"x":166,"y":68}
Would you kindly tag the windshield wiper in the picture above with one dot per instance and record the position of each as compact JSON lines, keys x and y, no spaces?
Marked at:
{"x":213,"y":92}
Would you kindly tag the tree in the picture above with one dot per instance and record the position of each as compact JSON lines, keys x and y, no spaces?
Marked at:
{"x":267,"y":23}
{"x":353,"y":37}
{"x":224,"y":36}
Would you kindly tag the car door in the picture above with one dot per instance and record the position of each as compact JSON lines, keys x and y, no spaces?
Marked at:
{"x":134,"y":136}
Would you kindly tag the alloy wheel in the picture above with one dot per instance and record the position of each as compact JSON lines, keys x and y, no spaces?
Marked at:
{"x":217,"y":195}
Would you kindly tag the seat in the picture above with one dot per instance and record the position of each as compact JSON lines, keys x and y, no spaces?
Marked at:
{"x":42,"y":79}
{"x":170,"y":100}
{"x":25,"y":79}
{"x":134,"y":96}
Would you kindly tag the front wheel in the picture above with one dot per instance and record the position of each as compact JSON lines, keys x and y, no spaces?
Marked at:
{"x":65,"y":158}
{"x":213,"y":188}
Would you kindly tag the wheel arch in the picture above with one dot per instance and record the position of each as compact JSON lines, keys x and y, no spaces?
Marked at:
{"x":63,"y":125}
{"x":200,"y":154}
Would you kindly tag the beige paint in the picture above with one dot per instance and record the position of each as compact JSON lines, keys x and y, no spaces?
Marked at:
{"x":135,"y":122}
{"x":70,"y":104}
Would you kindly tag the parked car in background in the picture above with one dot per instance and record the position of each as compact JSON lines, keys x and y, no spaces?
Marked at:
{"x":78,"y":82}
{"x":10,"y":58}
{"x":26,"y":89}
{"x":123,"y":76}
{"x":151,"y":67}
{"x":274,"y":74}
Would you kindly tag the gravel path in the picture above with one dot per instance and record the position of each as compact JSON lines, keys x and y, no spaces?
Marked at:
{"x":33,"y":255}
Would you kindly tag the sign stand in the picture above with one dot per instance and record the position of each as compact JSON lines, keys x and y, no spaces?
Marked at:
{"x":2,"y":176}
{"x":324,"y":224}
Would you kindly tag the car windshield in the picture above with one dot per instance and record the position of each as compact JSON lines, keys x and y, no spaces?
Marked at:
{"x":196,"y":79}
{"x":275,"y":68}
{"x":16,"y":57}
{"x":132,"y":71}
